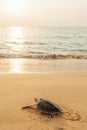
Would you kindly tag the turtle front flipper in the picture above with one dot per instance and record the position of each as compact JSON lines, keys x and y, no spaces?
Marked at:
{"x":52,"y":115}
{"x":30,"y":106}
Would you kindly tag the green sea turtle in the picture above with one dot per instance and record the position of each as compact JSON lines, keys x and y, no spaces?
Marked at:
{"x":45,"y":106}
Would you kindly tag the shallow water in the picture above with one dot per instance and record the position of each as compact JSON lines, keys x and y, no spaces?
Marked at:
{"x":40,"y":42}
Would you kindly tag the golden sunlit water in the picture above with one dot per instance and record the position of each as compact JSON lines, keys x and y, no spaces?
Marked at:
{"x":16,"y":36}
{"x":43,"y":42}
{"x":16,"y":65}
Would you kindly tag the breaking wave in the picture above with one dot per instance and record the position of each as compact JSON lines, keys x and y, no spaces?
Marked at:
{"x":48,"y":56}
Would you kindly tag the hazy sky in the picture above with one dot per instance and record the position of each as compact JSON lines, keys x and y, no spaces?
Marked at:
{"x":43,"y":12}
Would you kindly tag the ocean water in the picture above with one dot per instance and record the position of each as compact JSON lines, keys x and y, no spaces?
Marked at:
{"x":43,"y":42}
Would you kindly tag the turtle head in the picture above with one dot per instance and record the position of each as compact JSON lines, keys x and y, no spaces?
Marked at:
{"x":37,"y":100}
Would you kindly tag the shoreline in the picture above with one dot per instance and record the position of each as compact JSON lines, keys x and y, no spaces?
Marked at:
{"x":47,"y":56}
{"x":22,"y":65}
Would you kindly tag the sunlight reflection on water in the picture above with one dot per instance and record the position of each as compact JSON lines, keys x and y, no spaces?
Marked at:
{"x":16,"y":65}
{"x":16,"y":36}
{"x":30,"y":65}
{"x":32,"y":42}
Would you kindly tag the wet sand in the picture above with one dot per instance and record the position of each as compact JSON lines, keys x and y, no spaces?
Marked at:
{"x":67,"y":89}
{"x":20,"y":65}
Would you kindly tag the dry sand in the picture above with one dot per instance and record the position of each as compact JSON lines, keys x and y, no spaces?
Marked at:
{"x":68,"y":89}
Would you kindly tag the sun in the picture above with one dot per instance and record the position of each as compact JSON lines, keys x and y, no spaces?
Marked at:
{"x":15,"y":7}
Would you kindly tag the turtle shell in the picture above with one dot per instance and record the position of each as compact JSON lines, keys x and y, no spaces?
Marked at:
{"x":48,"y":107}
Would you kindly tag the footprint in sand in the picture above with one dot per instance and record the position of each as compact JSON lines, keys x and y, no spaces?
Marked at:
{"x":69,"y":114}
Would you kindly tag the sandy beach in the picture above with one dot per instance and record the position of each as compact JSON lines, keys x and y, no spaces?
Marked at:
{"x":43,"y":55}
{"x":67,"y":89}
